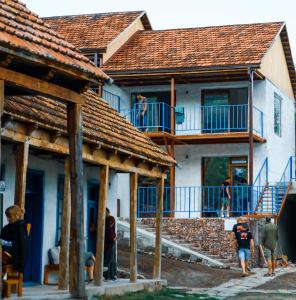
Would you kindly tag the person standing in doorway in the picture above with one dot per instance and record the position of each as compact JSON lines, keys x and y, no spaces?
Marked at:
{"x":110,"y":248}
{"x":225,"y":197}
{"x":269,"y":241}
{"x":142,"y":108}
{"x":245,"y":243}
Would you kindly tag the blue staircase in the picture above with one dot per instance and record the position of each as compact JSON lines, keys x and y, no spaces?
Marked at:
{"x":271,"y":197}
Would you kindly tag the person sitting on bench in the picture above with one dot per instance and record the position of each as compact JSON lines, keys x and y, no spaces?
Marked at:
{"x":14,"y":239}
{"x":89,"y":258}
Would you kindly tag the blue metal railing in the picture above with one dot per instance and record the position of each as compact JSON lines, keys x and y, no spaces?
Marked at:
{"x":272,"y":195}
{"x":111,"y":98}
{"x":190,"y":201}
{"x":288,"y":175}
{"x":260,"y":183}
{"x":195,"y":119}
{"x":157,"y":117}
{"x":217,"y":119}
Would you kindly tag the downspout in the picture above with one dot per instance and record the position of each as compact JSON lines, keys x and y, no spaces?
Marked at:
{"x":251,"y":134}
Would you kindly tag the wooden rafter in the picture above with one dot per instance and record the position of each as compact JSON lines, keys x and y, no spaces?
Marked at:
{"x":41,"y":140}
{"x":40,"y":86}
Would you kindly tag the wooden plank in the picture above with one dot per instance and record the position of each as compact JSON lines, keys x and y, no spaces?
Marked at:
{"x":99,"y":268}
{"x":158,"y":233}
{"x":173,"y":105}
{"x":63,"y":283}
{"x":77,"y":243}
{"x":40,"y":86}
{"x":251,"y":134}
{"x":133,"y":229}
{"x":41,"y":140}
{"x":22,"y":155}
{"x":172,"y":183}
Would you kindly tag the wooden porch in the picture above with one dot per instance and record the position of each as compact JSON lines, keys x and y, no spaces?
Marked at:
{"x":118,"y":287}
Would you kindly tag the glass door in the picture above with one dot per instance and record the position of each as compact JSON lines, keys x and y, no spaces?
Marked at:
{"x":215,"y":112}
{"x":240,"y":192}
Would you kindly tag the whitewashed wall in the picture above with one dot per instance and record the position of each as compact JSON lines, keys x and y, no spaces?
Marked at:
{"x":279,"y":149}
{"x":52,"y":169}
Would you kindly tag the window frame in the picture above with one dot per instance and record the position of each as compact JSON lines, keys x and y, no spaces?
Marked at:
{"x":277,"y":107}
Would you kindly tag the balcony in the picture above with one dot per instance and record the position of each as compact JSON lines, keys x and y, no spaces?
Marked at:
{"x":197,"y":201}
{"x":156,"y":119}
{"x":197,"y":120}
{"x":112,"y":99}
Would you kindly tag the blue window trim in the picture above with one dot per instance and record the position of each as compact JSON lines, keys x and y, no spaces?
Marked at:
{"x":61,"y":178}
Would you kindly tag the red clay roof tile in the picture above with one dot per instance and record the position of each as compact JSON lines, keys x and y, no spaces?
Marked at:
{"x":203,"y":47}
{"x":23,"y":32}
{"x":101,"y":124}
{"x":94,"y":31}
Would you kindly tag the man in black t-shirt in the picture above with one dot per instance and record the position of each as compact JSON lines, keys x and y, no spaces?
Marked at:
{"x":239,"y":226}
{"x":245,"y":243}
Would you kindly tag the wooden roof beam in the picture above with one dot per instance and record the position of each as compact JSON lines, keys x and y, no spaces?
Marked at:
{"x":6,"y":61}
{"x":41,"y":87}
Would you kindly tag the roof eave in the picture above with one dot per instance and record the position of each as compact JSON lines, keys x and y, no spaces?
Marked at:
{"x":181,"y":69}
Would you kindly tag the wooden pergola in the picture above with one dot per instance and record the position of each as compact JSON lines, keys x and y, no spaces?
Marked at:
{"x":35,"y":61}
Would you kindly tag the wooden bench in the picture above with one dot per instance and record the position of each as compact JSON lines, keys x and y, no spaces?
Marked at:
{"x":51,"y":268}
{"x":13,"y":279}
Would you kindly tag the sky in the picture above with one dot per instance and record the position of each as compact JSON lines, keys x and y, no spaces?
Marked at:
{"x":164,"y":14}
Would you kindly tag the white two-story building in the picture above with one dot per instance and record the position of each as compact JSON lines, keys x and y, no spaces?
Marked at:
{"x":219,"y":99}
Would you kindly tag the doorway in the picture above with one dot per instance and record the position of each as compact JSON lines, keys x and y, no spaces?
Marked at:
{"x":214,"y":171}
{"x":240,"y":193}
{"x":34,"y":202}
{"x":224,"y":110}
{"x":158,"y":111}
{"x":93,"y":192}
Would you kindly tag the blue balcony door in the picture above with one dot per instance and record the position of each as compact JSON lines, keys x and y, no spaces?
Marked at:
{"x":215,"y":112}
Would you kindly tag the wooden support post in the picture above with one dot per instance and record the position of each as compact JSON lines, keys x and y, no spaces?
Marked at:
{"x":104,"y":182}
{"x":173,"y":100}
{"x":172,"y":183}
{"x":1,"y":113}
{"x":22,"y":155}
{"x":65,"y":234}
{"x":133,"y":229}
{"x":251,"y":134}
{"x":100,"y":89}
{"x":159,"y":214}
{"x":77,"y":246}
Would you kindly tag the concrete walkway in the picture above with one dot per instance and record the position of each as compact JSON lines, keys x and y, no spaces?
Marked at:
{"x":245,"y":284}
{"x":118,"y":287}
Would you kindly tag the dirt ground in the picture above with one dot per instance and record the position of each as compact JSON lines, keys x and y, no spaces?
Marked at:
{"x":284,"y":282}
{"x":178,"y":273}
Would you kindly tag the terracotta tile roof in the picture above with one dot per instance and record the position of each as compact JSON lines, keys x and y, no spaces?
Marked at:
{"x":26,"y":35}
{"x":101,"y":124}
{"x":94,"y":31}
{"x":203,"y":47}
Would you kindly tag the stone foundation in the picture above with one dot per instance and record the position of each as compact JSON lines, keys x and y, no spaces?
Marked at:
{"x":208,"y":234}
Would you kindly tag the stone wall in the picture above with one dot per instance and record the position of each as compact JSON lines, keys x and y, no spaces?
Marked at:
{"x":207,"y":234}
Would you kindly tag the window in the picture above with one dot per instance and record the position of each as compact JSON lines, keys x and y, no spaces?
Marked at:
{"x":277,"y":114}
{"x":60,"y":197}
